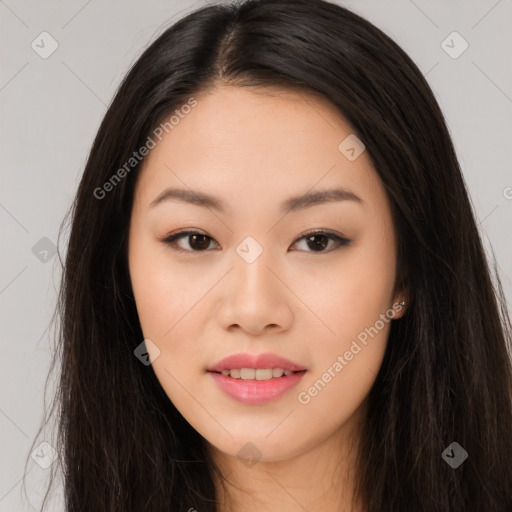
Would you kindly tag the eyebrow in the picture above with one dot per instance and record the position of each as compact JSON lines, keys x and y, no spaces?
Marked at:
{"x":290,"y":205}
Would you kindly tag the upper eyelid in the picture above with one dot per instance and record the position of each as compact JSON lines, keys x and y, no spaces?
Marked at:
{"x":191,"y":231}
{"x":338,"y":238}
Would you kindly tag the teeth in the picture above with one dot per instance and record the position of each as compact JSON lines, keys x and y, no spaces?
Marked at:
{"x":247,"y":373}
{"x":258,"y":374}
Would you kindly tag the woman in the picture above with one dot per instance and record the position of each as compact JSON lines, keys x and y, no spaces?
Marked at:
{"x":275,"y":294}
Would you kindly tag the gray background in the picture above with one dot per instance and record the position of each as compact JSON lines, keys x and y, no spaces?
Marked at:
{"x":51,"y":109}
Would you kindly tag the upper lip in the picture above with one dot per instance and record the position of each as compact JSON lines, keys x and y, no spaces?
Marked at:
{"x":262,"y":361}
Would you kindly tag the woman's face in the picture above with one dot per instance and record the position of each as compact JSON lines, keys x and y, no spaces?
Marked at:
{"x":254,"y":283}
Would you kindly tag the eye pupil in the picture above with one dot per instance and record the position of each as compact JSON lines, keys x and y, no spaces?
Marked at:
{"x":201,"y":246}
{"x":317,"y":241}
{"x":317,"y":246}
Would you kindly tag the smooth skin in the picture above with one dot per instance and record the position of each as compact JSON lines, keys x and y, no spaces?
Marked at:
{"x":255,"y":148}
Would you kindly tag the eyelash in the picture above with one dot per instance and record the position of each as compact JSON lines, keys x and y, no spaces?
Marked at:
{"x":341,"y":242}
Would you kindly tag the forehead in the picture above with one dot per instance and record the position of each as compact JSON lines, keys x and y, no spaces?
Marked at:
{"x":256,"y":144}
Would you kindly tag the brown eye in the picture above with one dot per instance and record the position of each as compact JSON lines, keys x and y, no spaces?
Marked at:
{"x":317,"y":241}
{"x":197,"y":241}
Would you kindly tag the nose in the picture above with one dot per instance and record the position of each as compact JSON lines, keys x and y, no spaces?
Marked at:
{"x":256,"y":299}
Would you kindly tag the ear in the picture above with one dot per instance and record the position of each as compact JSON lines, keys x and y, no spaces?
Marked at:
{"x":401,"y":302}
{"x":399,"y":308}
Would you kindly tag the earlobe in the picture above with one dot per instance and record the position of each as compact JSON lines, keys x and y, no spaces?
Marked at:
{"x":402,"y":308}
{"x":401,"y":301}
{"x":399,"y":308}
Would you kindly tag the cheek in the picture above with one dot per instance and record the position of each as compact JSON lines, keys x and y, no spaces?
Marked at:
{"x":165,"y":293}
{"x":357,"y":291}
{"x":165,"y":297}
{"x":170,"y":298}
{"x":346,"y":357}
{"x":354,"y":307}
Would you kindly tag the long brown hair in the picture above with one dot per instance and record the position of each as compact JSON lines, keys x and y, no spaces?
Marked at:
{"x":446,"y":375}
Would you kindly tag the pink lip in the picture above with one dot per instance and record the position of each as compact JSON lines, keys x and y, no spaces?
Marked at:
{"x":262,"y":361}
{"x":256,"y":391}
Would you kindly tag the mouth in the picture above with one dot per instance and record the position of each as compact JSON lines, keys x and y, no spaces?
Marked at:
{"x":257,"y":374}
{"x":256,"y":379}
{"x":244,"y":386}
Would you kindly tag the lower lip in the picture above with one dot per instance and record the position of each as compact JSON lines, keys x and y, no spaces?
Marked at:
{"x":256,"y":391}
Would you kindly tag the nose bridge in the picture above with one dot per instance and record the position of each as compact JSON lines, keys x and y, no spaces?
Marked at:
{"x":252,"y":262}
{"x":257,"y":298}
